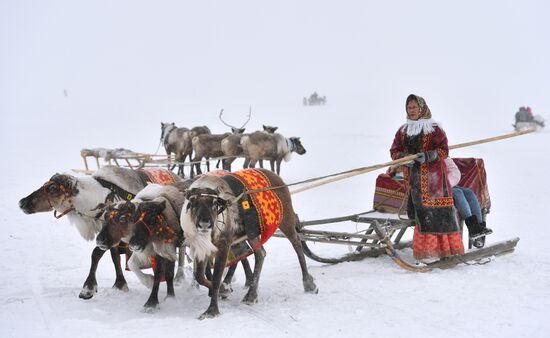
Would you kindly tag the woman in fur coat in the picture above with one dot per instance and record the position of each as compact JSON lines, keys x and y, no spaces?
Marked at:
{"x":436,"y":232}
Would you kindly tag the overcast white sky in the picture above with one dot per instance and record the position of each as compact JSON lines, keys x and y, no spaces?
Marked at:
{"x":157,"y":59}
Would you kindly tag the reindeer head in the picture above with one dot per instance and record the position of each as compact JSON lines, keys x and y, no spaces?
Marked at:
{"x":151,"y":225}
{"x":118,"y":224}
{"x":235,"y":130}
{"x":298,"y":145}
{"x":165,"y":129}
{"x":55,"y":193}
{"x":269,"y":129}
{"x":203,"y":207}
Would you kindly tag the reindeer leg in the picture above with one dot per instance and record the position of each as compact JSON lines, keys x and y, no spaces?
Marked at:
{"x":90,"y":285}
{"x":207,"y":163}
{"x":272,"y":165}
{"x":153,"y":302}
{"x":181,"y":261}
{"x":262,"y":164}
{"x":290,"y":232}
{"x":247,"y":272}
{"x":169,"y":276}
{"x":278,"y":164}
{"x":219,"y":265}
{"x":200,"y":269}
{"x":246,"y":162}
{"x":120,"y":282}
{"x":168,"y":159}
{"x":135,"y":262}
{"x":252,"y":294}
{"x":225,"y":287}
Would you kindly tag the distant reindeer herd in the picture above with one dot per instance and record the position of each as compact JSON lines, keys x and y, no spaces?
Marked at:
{"x":198,"y":144}
{"x":154,"y":215}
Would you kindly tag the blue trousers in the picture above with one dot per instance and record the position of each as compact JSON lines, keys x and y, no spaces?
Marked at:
{"x":466,"y":203}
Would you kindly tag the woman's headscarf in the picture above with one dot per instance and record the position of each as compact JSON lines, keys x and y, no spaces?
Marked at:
{"x":424,"y":123}
{"x":425,"y":112}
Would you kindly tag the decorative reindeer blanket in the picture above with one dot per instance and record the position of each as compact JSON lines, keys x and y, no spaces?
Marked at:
{"x":260,"y":212}
{"x":158,"y":175}
{"x":126,"y":183}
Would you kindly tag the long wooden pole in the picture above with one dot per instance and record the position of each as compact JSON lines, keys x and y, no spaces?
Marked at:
{"x":406,"y":159}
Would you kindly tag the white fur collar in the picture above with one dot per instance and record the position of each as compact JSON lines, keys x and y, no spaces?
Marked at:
{"x":415,"y":127}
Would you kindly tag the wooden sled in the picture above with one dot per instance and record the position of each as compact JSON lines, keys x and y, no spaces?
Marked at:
{"x":382,"y":234}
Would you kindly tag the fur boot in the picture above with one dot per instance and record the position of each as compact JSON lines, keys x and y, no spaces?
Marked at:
{"x":477,"y":230}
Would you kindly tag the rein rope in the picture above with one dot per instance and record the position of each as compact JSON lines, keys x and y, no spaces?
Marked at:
{"x":363,"y":170}
{"x":164,"y":227}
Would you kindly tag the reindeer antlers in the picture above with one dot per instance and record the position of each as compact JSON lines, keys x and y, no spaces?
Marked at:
{"x":230,"y":126}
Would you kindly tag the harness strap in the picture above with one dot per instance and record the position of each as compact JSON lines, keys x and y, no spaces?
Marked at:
{"x":164,"y":226}
{"x":115,"y":191}
{"x":67,"y":194}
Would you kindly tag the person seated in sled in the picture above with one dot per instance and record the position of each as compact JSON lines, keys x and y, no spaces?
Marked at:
{"x":523,"y":115}
{"x":430,"y":201}
{"x":467,"y":205}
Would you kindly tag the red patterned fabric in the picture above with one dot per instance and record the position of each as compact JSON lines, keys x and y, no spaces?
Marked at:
{"x":390,"y":195}
{"x":160,"y":176}
{"x":474,"y":177}
{"x":431,"y":174}
{"x":440,"y":245}
{"x":267,"y":203}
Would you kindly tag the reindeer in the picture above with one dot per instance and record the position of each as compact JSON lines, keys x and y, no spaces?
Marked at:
{"x":178,"y":141}
{"x":173,"y":139}
{"x":211,"y":145}
{"x":273,"y":147}
{"x":78,"y":198}
{"x":156,"y":233}
{"x":119,"y":224}
{"x":231,"y":147}
{"x":211,"y":222}
{"x":120,"y":221}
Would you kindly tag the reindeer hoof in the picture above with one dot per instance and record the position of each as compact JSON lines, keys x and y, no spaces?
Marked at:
{"x":87,"y":293}
{"x":250,"y":299}
{"x":225,"y":290}
{"x":309,"y":286}
{"x":121,"y":285}
{"x":210,"y":313}
{"x":150,"y":309}
{"x":123,"y":288}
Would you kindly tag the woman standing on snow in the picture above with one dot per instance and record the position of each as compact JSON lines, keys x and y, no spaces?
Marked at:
{"x":436,"y":232}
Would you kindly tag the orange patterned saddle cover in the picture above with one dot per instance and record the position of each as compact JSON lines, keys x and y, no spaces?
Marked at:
{"x":261,"y":212}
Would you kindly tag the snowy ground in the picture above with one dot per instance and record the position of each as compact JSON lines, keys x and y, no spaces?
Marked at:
{"x":122,"y":80}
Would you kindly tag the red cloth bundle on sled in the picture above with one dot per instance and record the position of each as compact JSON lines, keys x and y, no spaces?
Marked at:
{"x":391,"y":193}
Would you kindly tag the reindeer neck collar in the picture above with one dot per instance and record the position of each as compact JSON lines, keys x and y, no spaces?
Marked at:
{"x":291,"y":145}
{"x":168,"y":132}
